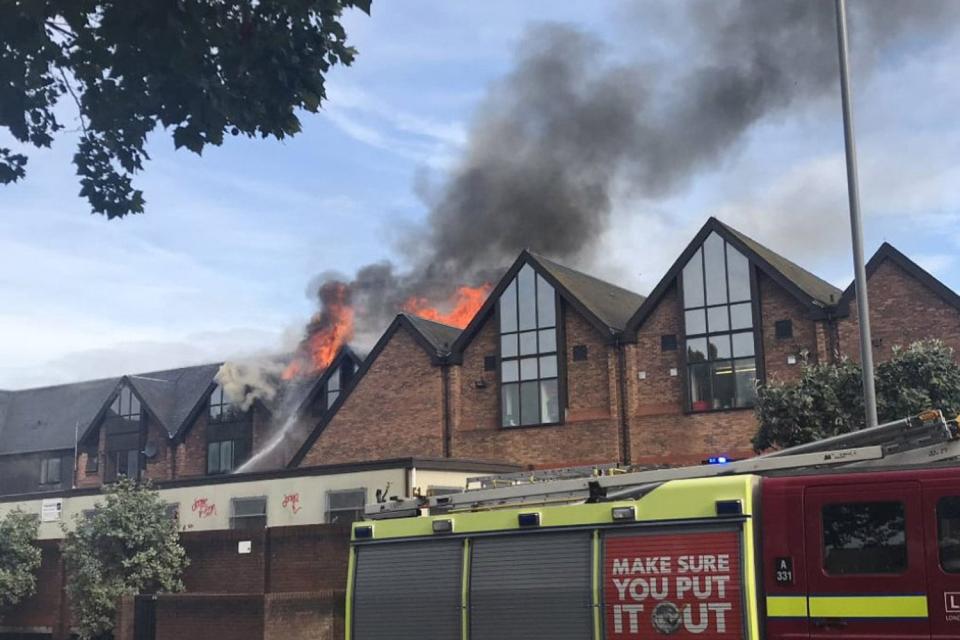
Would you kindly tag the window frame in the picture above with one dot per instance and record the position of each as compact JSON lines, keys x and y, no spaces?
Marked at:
{"x":45,"y":470}
{"x":940,"y":536}
{"x":115,"y":456}
{"x":755,"y":314}
{"x":854,"y":503}
{"x":234,"y":518}
{"x":335,"y":393}
{"x":228,"y":412}
{"x":561,"y":349}
{"x":127,"y":393}
{"x":327,"y":510}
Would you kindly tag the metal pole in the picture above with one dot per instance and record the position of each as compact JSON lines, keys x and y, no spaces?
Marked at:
{"x":856,"y":225}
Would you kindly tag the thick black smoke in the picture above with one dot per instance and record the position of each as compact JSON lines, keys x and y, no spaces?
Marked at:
{"x":553,"y":140}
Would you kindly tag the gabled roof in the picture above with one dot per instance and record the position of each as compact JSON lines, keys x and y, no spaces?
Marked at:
{"x":49,"y":418}
{"x":433,"y":337}
{"x":304,"y":395}
{"x":610,"y":304}
{"x":812,"y":292}
{"x":605,"y":306}
{"x":888,"y":252}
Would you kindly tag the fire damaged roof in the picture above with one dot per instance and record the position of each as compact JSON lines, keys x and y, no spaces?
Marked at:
{"x":440,"y":337}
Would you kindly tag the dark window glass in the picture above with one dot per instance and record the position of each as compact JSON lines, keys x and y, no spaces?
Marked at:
{"x":172,"y":511}
{"x":580,"y":352}
{"x":745,"y":372}
{"x":333,"y":387}
{"x":715,"y":328}
{"x":529,"y":353}
{"x":224,"y":456}
{"x":696,"y":350}
{"x":948,"y":533}
{"x":693,"y":281}
{"x":529,"y":403}
{"x":248,"y":513}
{"x":126,"y":405}
{"x":127,"y":463}
{"x":864,"y":538}
{"x":489,"y":363}
{"x":784,"y":329}
{"x":346,"y":506}
{"x":93,"y":461}
{"x":50,"y":471}
{"x":221,"y":409}
{"x":668,"y":342}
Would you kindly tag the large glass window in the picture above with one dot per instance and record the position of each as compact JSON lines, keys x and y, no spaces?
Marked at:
{"x":718,"y":325}
{"x":221,"y":408}
{"x":948,"y":533}
{"x":864,"y":538}
{"x":529,"y":354}
{"x":127,"y":463}
{"x":126,"y":405}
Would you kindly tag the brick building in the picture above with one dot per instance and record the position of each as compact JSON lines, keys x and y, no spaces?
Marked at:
{"x":557,"y":368}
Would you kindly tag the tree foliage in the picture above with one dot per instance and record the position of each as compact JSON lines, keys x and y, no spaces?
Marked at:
{"x":198,"y":68}
{"x":126,"y":546}
{"x":19,"y":558}
{"x":827,"y":399}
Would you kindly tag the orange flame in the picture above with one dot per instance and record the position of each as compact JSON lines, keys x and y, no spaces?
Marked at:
{"x":463,"y":306}
{"x":329,"y":330}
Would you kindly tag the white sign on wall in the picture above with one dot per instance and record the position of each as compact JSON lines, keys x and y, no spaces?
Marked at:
{"x":245,"y":546}
{"x":50,"y":509}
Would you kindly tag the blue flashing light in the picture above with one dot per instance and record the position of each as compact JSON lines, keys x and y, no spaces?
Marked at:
{"x":718,"y":460}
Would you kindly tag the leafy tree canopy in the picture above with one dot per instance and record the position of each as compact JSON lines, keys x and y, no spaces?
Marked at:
{"x":19,"y":558}
{"x":199,"y":68}
{"x":127,"y":545}
{"x":827,"y":399}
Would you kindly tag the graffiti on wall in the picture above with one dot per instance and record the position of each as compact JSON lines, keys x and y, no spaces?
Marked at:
{"x":204,"y":508}
{"x":292,"y":501}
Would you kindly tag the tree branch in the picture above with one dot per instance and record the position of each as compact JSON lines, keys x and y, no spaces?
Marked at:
{"x":83,"y":123}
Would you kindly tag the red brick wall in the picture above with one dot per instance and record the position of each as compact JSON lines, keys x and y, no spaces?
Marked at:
{"x":902,"y":310}
{"x":160,"y":467}
{"x":217,"y":567}
{"x":186,"y":617}
{"x":395,"y":410}
{"x":304,"y":616}
{"x":589,"y":433}
{"x":660,"y":431}
{"x":312,"y":558}
{"x":777,"y":304}
{"x":46,"y":607}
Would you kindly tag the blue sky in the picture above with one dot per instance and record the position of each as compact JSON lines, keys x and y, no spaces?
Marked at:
{"x":220,"y":264}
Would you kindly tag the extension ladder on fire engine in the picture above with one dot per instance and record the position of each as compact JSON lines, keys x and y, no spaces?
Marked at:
{"x":918,"y":440}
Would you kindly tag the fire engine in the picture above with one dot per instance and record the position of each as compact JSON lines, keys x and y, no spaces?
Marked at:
{"x":855,"y":536}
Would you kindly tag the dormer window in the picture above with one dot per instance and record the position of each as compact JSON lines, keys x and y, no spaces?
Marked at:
{"x":221,"y":409}
{"x":126,"y":405}
{"x":719,"y":329}
{"x":333,"y":388}
{"x":529,"y":353}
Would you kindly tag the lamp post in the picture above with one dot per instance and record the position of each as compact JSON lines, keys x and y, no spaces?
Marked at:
{"x":856,"y":223}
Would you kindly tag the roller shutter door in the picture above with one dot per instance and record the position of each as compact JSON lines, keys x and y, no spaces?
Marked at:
{"x":531,"y":587}
{"x":408,"y":591}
